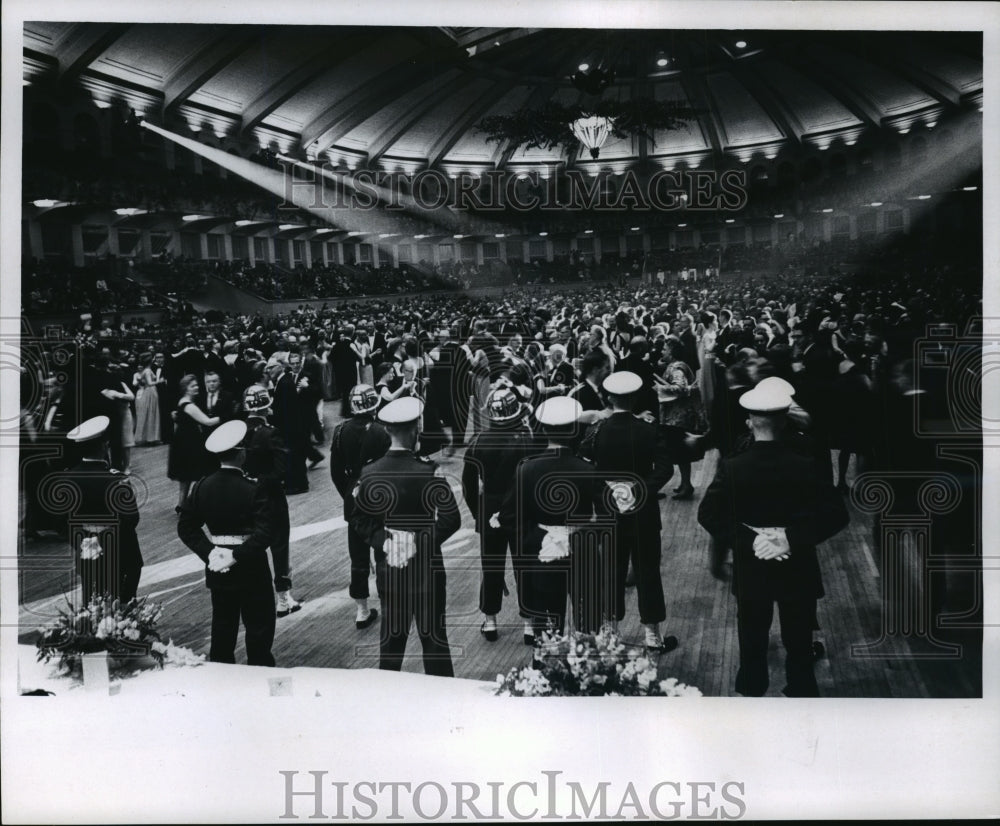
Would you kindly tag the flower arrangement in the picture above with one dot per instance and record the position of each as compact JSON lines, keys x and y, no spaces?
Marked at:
{"x":104,"y":624}
{"x":588,"y":665}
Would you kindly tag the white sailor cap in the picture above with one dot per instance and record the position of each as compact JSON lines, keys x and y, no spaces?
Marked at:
{"x":401,"y":411}
{"x":90,"y":429}
{"x":558,"y":411}
{"x":766,"y":400}
{"x":778,"y":384}
{"x":622,"y":383}
{"x":226,"y":436}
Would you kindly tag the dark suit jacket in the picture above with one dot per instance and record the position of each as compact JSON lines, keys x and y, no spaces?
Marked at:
{"x":225,"y":405}
{"x":589,"y":398}
{"x":771,"y":484}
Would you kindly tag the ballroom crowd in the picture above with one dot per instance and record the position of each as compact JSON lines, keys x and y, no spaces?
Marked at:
{"x":845,"y":347}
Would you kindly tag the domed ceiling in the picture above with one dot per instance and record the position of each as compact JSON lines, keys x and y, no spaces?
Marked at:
{"x":411,"y":98}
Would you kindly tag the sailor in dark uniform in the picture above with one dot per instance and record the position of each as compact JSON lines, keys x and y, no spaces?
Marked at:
{"x":266,"y":455}
{"x":550,"y":509}
{"x":237,"y":512}
{"x":407,"y":510}
{"x":357,"y":442}
{"x":773,"y":508}
{"x":102,"y":523}
{"x":490,"y":463}
{"x":634,"y":464}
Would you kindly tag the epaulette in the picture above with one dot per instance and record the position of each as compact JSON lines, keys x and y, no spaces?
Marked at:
{"x":425,"y":460}
{"x":114,"y":471}
{"x":251,"y":478}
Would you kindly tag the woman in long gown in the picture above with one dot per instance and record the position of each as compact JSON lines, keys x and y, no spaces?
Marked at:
{"x":188,"y":460}
{"x":147,"y":404}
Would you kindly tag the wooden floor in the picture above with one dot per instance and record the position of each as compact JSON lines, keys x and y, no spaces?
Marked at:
{"x":700,"y":609}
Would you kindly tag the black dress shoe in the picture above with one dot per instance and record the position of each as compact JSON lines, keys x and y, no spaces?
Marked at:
{"x":684,"y":494}
{"x":314,"y":462}
{"x":490,"y":634}
{"x":296,"y":491}
{"x":529,"y":639}
{"x":362,"y":624}
{"x":669,"y":644}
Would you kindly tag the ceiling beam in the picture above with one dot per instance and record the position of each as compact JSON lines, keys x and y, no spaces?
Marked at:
{"x":359,"y":105}
{"x":85,"y":43}
{"x":207,"y":62}
{"x":389,"y":136}
{"x":450,"y":136}
{"x":783,"y":117}
{"x":306,"y":72}
{"x":696,"y":89}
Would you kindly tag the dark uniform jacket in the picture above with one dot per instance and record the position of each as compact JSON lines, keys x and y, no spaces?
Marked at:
{"x":628,"y":449}
{"x":356,"y":442}
{"x":266,"y":454}
{"x":772,"y":484}
{"x":402,"y":491}
{"x":553,"y":488}
{"x":106,"y":499}
{"x":228,"y":503}
{"x":491,"y":460}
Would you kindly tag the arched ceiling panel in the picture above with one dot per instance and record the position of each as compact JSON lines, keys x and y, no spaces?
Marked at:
{"x":815,"y":108}
{"x":366,"y":133}
{"x":744,"y":121}
{"x":150,"y":54}
{"x":417,"y":141}
{"x":471,"y":146}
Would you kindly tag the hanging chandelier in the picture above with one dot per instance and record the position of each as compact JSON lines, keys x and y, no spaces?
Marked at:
{"x":592,"y":131}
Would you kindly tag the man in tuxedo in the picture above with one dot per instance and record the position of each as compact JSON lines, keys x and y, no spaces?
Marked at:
{"x":443,"y":389}
{"x":594,"y":369}
{"x":773,"y":507}
{"x":309,"y":394}
{"x":312,"y":393}
{"x":559,"y":376}
{"x":218,"y":401}
{"x":286,"y":416}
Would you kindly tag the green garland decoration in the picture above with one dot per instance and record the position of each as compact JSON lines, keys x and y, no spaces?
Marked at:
{"x":550,"y":126}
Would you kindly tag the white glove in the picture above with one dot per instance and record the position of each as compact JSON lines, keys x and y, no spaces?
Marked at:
{"x":770,"y":543}
{"x":220,"y":560}
{"x":495,"y":520}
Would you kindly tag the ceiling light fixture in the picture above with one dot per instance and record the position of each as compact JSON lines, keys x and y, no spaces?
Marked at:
{"x":44,"y":203}
{"x":876,"y":203}
{"x":662,"y":61}
{"x":584,"y":67}
{"x":741,"y":44}
{"x":543,"y":234}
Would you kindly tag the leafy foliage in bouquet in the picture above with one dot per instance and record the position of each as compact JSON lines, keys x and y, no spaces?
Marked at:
{"x":588,"y":665}
{"x":104,"y":624}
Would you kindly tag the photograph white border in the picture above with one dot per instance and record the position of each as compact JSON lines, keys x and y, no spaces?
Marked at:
{"x":123,"y":759}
